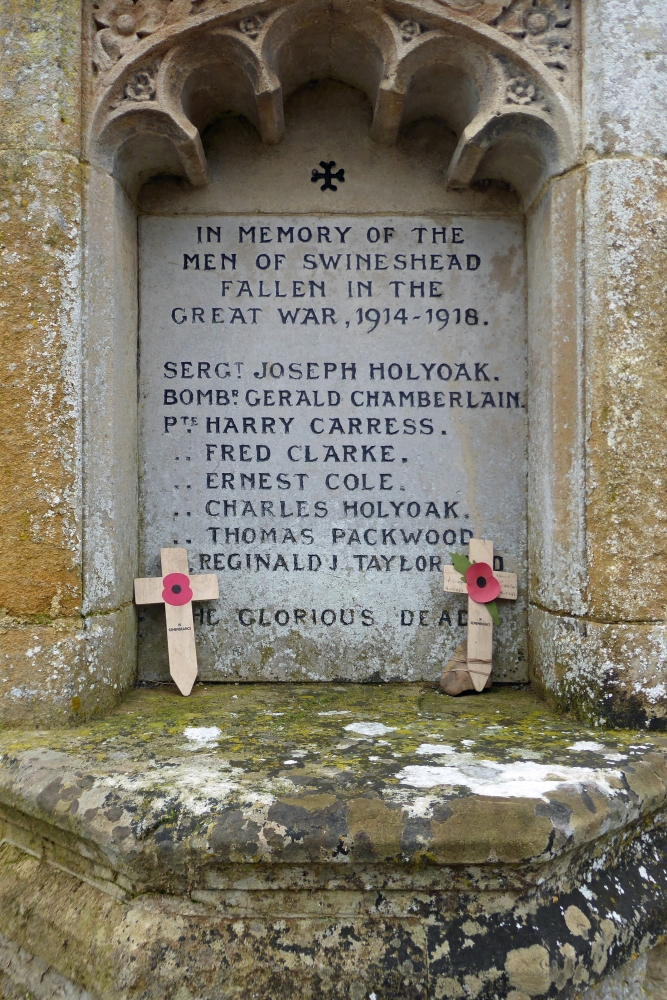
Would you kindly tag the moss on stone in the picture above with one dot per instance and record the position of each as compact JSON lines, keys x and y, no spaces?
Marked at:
{"x":261,"y":724}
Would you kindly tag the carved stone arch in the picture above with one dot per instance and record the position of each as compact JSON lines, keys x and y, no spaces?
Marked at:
{"x":484,"y":92}
{"x":228,"y":75}
{"x":174,"y":98}
{"x":502,"y":102}
{"x":434,"y":76}
{"x":309,"y":41}
{"x":518,"y":147}
{"x":139,"y":142}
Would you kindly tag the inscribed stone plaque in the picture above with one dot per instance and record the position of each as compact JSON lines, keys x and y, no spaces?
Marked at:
{"x":331,"y":406}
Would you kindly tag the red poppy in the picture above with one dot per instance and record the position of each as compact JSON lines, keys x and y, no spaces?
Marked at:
{"x":177,"y":590}
{"x":482,"y":584}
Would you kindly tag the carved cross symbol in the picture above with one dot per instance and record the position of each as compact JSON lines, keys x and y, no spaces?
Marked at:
{"x":328,"y":176}
{"x":480,"y":623}
{"x":177,"y":590}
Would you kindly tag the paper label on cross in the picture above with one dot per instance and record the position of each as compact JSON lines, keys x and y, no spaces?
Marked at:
{"x":480,"y":623}
{"x":176,"y":589}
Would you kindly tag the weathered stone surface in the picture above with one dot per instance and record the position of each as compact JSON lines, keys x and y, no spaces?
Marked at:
{"x":71,"y":668}
{"x":239,"y":759}
{"x":21,"y":971}
{"x":40,"y":58}
{"x":109,"y":377}
{"x":644,"y":977}
{"x":54,"y":664}
{"x":603,"y":654}
{"x":172,"y":948}
{"x":626,"y":390}
{"x":615,"y":564}
{"x":624,"y":74}
{"x":40,"y":543}
{"x":40,"y":218}
{"x":249,"y":840}
{"x":611,"y":674}
{"x":558,"y":577}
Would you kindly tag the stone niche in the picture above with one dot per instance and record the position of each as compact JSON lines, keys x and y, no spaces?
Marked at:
{"x":194,"y":112}
{"x":332,"y":392}
{"x":338,"y":381}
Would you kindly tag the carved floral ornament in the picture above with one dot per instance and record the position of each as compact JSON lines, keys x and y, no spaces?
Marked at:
{"x":251,"y":26}
{"x":410,"y":30}
{"x":121,"y":24}
{"x":141,"y":86}
{"x":146,"y":51}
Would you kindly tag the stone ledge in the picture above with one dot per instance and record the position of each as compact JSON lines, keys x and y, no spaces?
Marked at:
{"x":483,"y":847}
{"x":170,"y":790}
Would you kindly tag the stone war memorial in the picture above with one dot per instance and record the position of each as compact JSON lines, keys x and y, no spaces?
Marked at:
{"x":333,"y":656}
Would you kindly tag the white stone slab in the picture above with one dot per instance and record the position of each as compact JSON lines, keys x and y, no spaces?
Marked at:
{"x":329,"y":407}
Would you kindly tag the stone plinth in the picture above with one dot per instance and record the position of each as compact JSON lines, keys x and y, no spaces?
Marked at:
{"x":301,"y":841}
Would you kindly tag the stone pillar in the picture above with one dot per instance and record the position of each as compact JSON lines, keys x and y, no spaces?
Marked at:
{"x":50,"y":668}
{"x":598,"y":629}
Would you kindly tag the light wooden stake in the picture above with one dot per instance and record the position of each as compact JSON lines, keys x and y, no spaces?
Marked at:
{"x":176,"y":589}
{"x":480,"y":624}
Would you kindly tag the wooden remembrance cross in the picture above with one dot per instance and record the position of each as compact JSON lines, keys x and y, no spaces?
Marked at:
{"x":480,"y":623}
{"x":176,"y":589}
